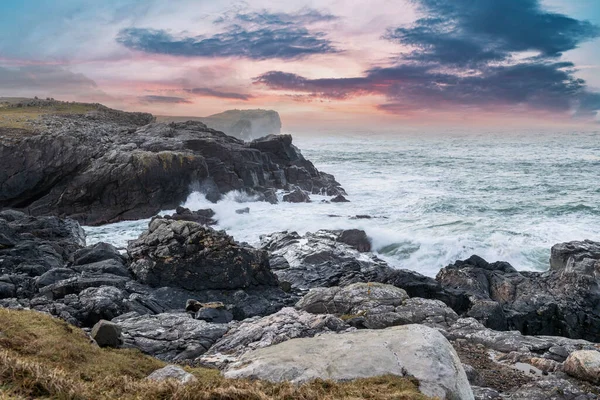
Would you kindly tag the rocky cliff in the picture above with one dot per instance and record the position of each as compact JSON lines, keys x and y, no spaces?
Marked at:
{"x":103,"y":165}
{"x":242,"y":124}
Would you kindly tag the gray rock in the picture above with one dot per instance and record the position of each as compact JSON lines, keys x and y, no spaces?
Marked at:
{"x":406,"y":350}
{"x":243,"y":210}
{"x":356,"y":239}
{"x":285,"y":324}
{"x":320,"y":259}
{"x":172,"y":372}
{"x":297,"y":196}
{"x":169,"y":337}
{"x":107,"y":334}
{"x":375,"y":302}
{"x":339,"y":199}
{"x":194,"y":257}
{"x":584,"y":365}
{"x":215,"y":315}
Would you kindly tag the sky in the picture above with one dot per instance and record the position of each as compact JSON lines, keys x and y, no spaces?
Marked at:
{"x":340,"y":64}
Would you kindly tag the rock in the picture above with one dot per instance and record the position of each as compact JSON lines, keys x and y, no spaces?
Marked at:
{"x":356,"y":239}
{"x":406,"y":350}
{"x":562,"y":301}
{"x":375,"y":302}
{"x":169,"y":337}
{"x":193,"y":257}
{"x":78,"y":165}
{"x":285,"y":324}
{"x":339,"y":199}
{"x":584,"y":365}
{"x":243,"y":211}
{"x":96,"y":253}
{"x":106,"y":334}
{"x":172,"y":372}
{"x":245,"y":124}
{"x":215,"y":315}
{"x":204,"y":217}
{"x":297,"y":196}
{"x":320,"y":259}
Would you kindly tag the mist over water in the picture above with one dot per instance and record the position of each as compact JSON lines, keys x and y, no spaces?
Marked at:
{"x":434,"y":199}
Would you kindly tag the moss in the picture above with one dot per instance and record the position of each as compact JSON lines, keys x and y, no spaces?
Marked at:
{"x":14,"y":118}
{"x":43,"y":357}
{"x":347,"y":317}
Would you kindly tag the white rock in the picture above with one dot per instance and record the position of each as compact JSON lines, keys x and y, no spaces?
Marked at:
{"x":403,"y":350}
{"x":172,"y":372}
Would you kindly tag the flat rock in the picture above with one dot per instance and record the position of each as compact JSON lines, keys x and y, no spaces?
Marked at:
{"x":406,"y":350}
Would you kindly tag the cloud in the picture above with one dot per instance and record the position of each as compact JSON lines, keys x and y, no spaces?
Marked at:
{"x":467,"y":32}
{"x":257,"y":36}
{"x":208,"y":92}
{"x":45,"y":81}
{"x":305,"y":16}
{"x":484,"y":54}
{"x":163,"y":99}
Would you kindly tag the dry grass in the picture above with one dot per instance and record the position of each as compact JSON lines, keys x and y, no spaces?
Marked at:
{"x":43,"y":357}
{"x":24,"y":118}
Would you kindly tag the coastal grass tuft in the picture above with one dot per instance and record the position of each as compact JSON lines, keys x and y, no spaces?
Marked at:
{"x":44,"y":357}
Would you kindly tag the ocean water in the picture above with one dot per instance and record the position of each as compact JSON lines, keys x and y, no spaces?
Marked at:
{"x":434,"y":198}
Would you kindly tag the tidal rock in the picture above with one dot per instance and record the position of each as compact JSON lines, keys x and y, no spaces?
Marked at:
{"x":203,"y":217}
{"x":243,"y":211}
{"x":169,"y":337}
{"x":107,"y":334}
{"x":339,"y":199}
{"x":285,"y":324}
{"x":297,"y":196}
{"x":406,"y":350}
{"x":562,"y":301}
{"x":193,"y":257}
{"x":322,"y":259}
{"x":357,"y":239}
{"x":173,"y":372}
{"x":584,"y":365}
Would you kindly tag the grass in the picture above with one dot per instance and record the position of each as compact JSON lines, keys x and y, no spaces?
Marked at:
{"x":21,"y":116}
{"x":44,"y":357}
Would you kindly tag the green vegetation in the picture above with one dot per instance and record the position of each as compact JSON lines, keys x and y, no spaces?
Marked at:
{"x":43,"y":357}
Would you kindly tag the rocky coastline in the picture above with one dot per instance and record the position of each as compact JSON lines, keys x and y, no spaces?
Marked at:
{"x":296,"y":307}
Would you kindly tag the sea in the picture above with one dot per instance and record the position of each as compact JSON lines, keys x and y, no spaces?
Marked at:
{"x":432,"y":198}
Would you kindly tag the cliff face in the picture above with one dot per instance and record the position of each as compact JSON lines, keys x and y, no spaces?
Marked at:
{"x":105,"y":166}
{"x":242,"y":124}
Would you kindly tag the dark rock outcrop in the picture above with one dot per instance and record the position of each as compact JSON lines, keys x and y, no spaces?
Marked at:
{"x":187,"y":255}
{"x":297,"y":196}
{"x":203,"y":217}
{"x":322,"y":259}
{"x":113,"y":166}
{"x":564,"y":301}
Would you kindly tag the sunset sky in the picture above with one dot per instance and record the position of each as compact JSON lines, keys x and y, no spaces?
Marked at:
{"x":337,"y":64}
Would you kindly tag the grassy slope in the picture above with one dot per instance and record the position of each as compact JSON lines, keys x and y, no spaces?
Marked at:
{"x":24,"y":117}
{"x":44,"y":357}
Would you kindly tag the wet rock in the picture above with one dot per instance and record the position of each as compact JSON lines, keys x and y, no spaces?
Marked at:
{"x":243,"y":211}
{"x":169,"y":337}
{"x":97,"y":253}
{"x":203,"y":217}
{"x":320,"y":259}
{"x":106,"y":334}
{"x":297,"y":196}
{"x":411,"y":349}
{"x":339,"y":199}
{"x":584,"y":365}
{"x":562,"y":301}
{"x":356,"y":239}
{"x":172,"y":372}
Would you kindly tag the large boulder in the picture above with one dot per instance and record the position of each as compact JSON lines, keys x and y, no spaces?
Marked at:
{"x":169,"y":337}
{"x":107,"y":334}
{"x":285,"y":324}
{"x":584,"y":365}
{"x":413,"y":350}
{"x":193,"y":257}
{"x":563,"y":301}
